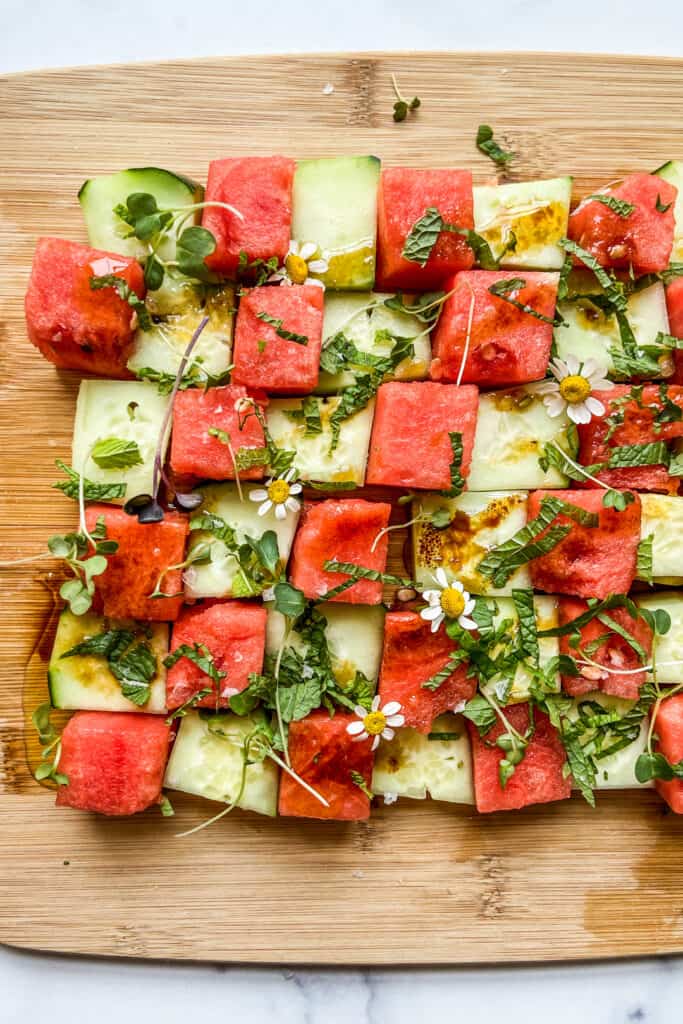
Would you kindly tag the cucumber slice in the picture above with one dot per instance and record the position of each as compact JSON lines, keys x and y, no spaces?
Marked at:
{"x":221,"y":576}
{"x":518,"y":688}
{"x":411,"y":765}
{"x":354,"y":639}
{"x":662,"y":517}
{"x":84,"y":682}
{"x":130,"y":410}
{"x":589,"y":333}
{"x":512,"y":429}
{"x":334,"y":206}
{"x":667,"y":649}
{"x":360,"y":316}
{"x":673,"y":173}
{"x":183,"y":306}
{"x":618,"y":770}
{"x":207,"y":760}
{"x":536,"y":212}
{"x":480,"y":520}
{"x":99,"y":196}
{"x":314,"y":461}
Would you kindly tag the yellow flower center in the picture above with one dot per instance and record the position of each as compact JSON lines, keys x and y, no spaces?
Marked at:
{"x":452,"y":602}
{"x":296,"y":268}
{"x":374,"y":723}
{"x":278,"y":492}
{"x":575,"y":388}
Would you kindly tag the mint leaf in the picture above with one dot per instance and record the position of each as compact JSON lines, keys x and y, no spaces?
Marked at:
{"x":116,"y":453}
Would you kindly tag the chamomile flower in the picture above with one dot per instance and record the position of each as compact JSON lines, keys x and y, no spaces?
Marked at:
{"x":380,"y":723}
{"x":300,"y":261}
{"x":572,"y":389}
{"x":278,"y":494}
{"x":449,"y":601}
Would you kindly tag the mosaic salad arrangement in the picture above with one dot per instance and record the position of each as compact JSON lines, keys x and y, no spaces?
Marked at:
{"x":501,"y":366}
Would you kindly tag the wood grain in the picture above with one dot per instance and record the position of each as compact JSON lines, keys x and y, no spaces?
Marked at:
{"x":419,"y":883}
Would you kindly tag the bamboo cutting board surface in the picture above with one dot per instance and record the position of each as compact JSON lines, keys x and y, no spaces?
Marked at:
{"x":420,"y":882}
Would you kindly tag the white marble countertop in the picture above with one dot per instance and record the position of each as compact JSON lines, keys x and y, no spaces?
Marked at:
{"x":51,"y":33}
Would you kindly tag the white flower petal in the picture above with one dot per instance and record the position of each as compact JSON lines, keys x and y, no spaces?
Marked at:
{"x":318,"y":266}
{"x":441,"y":577}
{"x":280,"y":511}
{"x":289,"y":475}
{"x":307,"y":250}
{"x":355,"y":728}
{"x":258,"y":495}
{"x":360,"y":711}
{"x":558,"y":368}
{"x":543,"y":387}
{"x":361,"y":736}
{"x":375,"y":702}
{"x":295,"y":489}
{"x":469,"y":606}
{"x":601,"y":383}
{"x":292,"y":505}
{"x":457,"y":585}
{"x":437,"y":622}
{"x":388,"y":734}
{"x":594,"y":407}
{"x":578,"y":413}
{"x":375,"y":743}
{"x":588,"y":368}
{"x":315,"y":281}
{"x":433,"y":612}
{"x":396,"y":721}
{"x":293,"y":247}
{"x":554,"y":404}
{"x":466,"y":623}
{"x":392,"y":708}
{"x":573,"y":365}
{"x":265,"y":508}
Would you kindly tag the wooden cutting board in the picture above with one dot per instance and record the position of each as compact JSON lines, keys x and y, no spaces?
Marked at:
{"x":419,"y":883}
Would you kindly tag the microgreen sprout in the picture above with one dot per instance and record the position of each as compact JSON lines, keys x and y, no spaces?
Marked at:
{"x":402,"y":106}
{"x":199,"y":555}
{"x":51,"y":742}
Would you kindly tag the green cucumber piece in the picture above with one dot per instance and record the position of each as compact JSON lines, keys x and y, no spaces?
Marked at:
{"x":314,"y":461}
{"x":360,"y":316}
{"x":334,"y":206}
{"x":512,"y":429}
{"x":84,"y":682}
{"x":413,"y":766}
{"x":221,"y":576}
{"x":590,"y":333}
{"x":99,"y":196}
{"x":209,"y":764}
{"x":354,"y":639}
{"x":668,"y":649}
{"x":130,"y":410}
{"x":618,"y":770}
{"x":480,"y":521}
{"x":673,"y":173}
{"x":162,"y":347}
{"x":546,"y":613}
{"x":537,"y":212}
{"x":662,"y":517}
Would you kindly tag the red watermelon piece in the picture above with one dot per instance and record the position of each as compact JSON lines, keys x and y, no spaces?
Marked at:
{"x":590,"y":561}
{"x":196,"y":453}
{"x":343,"y":531}
{"x":145,"y":551}
{"x":502,"y":345}
{"x":260,"y":187}
{"x":537,"y":779}
{"x":74,"y":326}
{"x":410,"y":444}
{"x":615,"y":653}
{"x":265,"y":360}
{"x":639,"y":426}
{"x":115,"y":762}
{"x":669,"y":730}
{"x":405,"y":193}
{"x":643,"y":240}
{"x":325,"y":756}
{"x":235,"y":634}
{"x":412,"y":655}
{"x":674,"y":305}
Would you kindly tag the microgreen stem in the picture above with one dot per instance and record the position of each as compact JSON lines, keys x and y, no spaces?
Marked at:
{"x":290,"y":771}
{"x":81,"y":499}
{"x":468,"y":336}
{"x":397,"y":93}
{"x":27,"y":560}
{"x":580,"y":469}
{"x":512,"y":732}
{"x":276,"y":674}
{"x":397,"y":526}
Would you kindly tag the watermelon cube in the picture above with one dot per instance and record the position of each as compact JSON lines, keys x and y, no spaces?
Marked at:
{"x":344,"y":531}
{"x":411,"y":444}
{"x":674,"y":305}
{"x":114,"y":762}
{"x":498,"y":343}
{"x":669,"y":731}
{"x":614,"y":653}
{"x":537,"y":779}
{"x":74,"y":326}
{"x":326,"y":757}
{"x":197,"y":453}
{"x":641,"y":420}
{"x":145,"y":551}
{"x":261,"y":189}
{"x":265,"y":359}
{"x":234,"y":632}
{"x":412,"y":655}
{"x":591,"y":561}
{"x":405,"y":194}
{"x":641,"y":239}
